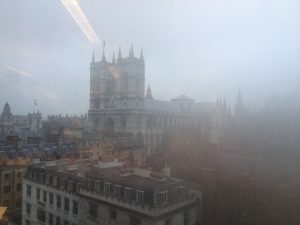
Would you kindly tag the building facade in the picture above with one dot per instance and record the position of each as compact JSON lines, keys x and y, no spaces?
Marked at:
{"x":76,"y":194}
{"x":20,"y":125}
{"x":119,"y":106}
{"x":11,"y":177}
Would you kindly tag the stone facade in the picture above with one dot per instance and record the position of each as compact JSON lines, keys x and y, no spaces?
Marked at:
{"x":11,"y":177}
{"x":20,"y":125}
{"x":62,"y":193}
{"x":119,"y":107}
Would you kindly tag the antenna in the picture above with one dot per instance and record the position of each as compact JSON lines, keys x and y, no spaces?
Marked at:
{"x":34,"y":105}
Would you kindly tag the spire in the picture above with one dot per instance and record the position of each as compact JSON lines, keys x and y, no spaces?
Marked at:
{"x":142,"y":55}
{"x":113,"y":59}
{"x":34,"y":105}
{"x":6,"y":110}
{"x":103,"y":55}
{"x":149,"y":93}
{"x":239,"y":107}
{"x":224,"y":106}
{"x":120,"y":54}
{"x":93,"y":57}
{"x":131,"y":53}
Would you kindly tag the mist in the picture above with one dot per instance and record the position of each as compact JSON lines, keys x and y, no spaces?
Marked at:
{"x":204,"y":49}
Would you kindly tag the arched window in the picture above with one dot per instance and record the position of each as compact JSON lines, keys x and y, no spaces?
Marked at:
{"x":123,"y":122}
{"x":109,"y":127}
{"x":96,"y":122}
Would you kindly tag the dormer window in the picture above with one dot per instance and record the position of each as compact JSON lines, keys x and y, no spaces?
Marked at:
{"x":127,"y":193}
{"x":88,"y":182}
{"x":180,"y":191}
{"x":107,"y":188}
{"x":139,"y":196}
{"x":97,"y":186}
{"x":117,"y":191}
{"x":163,"y":197}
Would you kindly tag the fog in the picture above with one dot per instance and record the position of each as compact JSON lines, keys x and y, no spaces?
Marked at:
{"x":204,"y":49}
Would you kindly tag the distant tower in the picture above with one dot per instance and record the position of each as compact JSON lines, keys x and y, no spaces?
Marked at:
{"x":115,"y":86}
{"x":35,"y":120}
{"x":239,"y":110}
{"x":149,"y":93}
{"x":6,"y":121}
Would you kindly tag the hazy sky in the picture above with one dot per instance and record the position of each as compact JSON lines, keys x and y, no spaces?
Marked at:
{"x":203,"y":48}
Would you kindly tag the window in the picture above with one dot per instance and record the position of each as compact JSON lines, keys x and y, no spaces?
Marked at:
{"x":135,"y":221}
{"x":62,"y":183}
{"x":28,"y":190}
{"x":54,"y":181}
{"x":163,"y":196}
{"x":93,"y":208}
{"x":139,"y":196}
{"x":88,"y":183}
{"x":106,"y":187}
{"x":48,"y":179}
{"x":19,"y":174}
{"x":123,"y":122}
{"x":27,"y":222}
{"x":58,"y":201}
{"x":180,"y":191}
{"x":127,"y":193}
{"x":41,"y":177}
{"x":113,"y":214}
{"x":41,"y":215}
{"x":66,"y":222}
{"x":6,"y":189}
{"x":19,"y":186}
{"x":186,"y":218}
{"x":97,"y":186}
{"x":7,"y":176}
{"x":78,"y":186}
{"x":50,"y":219}
{"x":75,"y":207}
{"x":28,"y":209}
{"x":58,"y":221}
{"x":66,"y":204}
{"x":50,"y":198}
{"x":45,"y":196}
{"x":35,"y":176}
{"x":38,"y":194}
{"x":70,"y":185}
{"x":117,"y":191}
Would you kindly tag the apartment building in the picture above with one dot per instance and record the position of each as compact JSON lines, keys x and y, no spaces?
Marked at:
{"x":82,"y":193}
{"x":11,"y":188}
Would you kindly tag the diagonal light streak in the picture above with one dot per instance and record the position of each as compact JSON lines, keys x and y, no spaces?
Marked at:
{"x":18,"y":71}
{"x":76,"y":12}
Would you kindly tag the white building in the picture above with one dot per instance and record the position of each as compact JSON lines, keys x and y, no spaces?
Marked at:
{"x":86,"y":195}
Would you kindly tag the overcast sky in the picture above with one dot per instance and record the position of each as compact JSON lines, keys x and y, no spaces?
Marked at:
{"x":202,"y":48}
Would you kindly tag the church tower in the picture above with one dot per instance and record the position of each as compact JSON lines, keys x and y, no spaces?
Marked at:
{"x":6,"y":122}
{"x":239,"y":110}
{"x":115,"y":87}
